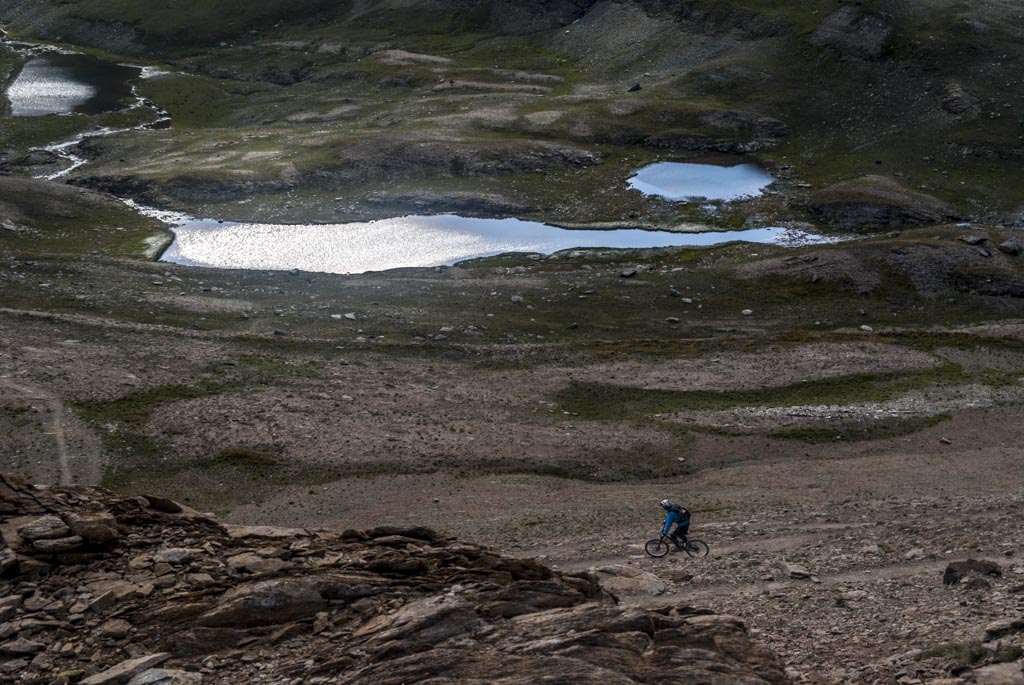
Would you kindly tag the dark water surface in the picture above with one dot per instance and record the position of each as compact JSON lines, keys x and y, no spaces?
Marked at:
{"x":65,"y":84}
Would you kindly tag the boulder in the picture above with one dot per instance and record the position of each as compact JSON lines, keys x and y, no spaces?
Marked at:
{"x":161,"y":504}
{"x":1004,"y":627}
{"x":876,"y":201}
{"x":627,"y":580}
{"x":126,"y":670}
{"x":94,"y":529}
{"x":57,"y":546}
{"x":161,"y":676}
{"x":958,"y":570}
{"x":45,"y":528}
{"x":998,"y":674}
{"x":267,"y":603}
{"x":854,"y":32}
{"x":267,"y":532}
{"x":254,"y":563}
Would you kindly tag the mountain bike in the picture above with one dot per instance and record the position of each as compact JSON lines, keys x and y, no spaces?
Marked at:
{"x":660,"y":547}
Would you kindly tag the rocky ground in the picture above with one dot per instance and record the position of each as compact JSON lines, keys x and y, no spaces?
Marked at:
{"x":105,"y":590}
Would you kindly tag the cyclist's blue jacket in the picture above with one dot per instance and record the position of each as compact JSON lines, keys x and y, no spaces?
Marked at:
{"x":675,"y":516}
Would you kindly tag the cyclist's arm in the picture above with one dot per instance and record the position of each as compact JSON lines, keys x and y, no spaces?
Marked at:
{"x":669,"y":520}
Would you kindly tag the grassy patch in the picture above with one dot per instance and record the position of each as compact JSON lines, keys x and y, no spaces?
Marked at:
{"x":962,"y":653}
{"x":604,"y":401}
{"x":243,"y":456}
{"x":192,"y":101}
{"x":867,"y":430}
{"x":64,"y":220}
{"x":137,"y":407}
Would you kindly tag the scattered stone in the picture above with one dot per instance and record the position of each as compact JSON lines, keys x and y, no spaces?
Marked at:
{"x":978,"y":584}
{"x":174,"y":555}
{"x":867,"y":329}
{"x":915,"y":553}
{"x":21,"y":647}
{"x":747,"y":312}
{"x":973,"y":239}
{"x":629,"y":273}
{"x":517,"y":299}
{"x":115,"y":628}
{"x":796,"y":571}
{"x":672,"y":319}
{"x":351,"y":316}
{"x":635,"y":88}
{"x":1012,"y":248}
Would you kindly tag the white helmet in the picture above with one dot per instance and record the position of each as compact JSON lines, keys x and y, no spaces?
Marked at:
{"x":665,"y":503}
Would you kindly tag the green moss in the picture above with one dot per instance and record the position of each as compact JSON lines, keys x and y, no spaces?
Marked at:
{"x":26,"y":132}
{"x":243,"y":456}
{"x":1008,"y":654}
{"x":136,"y":408}
{"x":961,"y":653}
{"x":191,"y":101}
{"x":856,"y":432}
{"x":605,"y":401}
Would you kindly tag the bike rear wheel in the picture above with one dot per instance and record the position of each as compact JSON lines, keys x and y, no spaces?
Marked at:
{"x":657,"y":548}
{"x":697,"y":548}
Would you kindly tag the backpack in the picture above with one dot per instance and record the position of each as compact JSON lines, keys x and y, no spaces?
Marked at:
{"x":684,"y":513}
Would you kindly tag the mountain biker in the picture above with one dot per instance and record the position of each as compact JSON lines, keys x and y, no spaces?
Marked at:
{"x":678,"y":515}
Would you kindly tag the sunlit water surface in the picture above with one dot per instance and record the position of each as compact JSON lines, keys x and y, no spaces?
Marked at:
{"x":69,"y":83}
{"x":685,"y":181}
{"x":414,"y":241}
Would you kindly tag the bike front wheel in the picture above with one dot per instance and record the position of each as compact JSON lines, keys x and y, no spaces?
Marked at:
{"x":657,"y":548}
{"x":697,"y":548}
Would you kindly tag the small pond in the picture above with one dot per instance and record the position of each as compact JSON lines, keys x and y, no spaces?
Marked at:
{"x":70,"y":83}
{"x":685,"y":181}
{"x":414,"y":241}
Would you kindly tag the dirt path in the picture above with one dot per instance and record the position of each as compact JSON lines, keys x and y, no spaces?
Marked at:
{"x":56,"y":424}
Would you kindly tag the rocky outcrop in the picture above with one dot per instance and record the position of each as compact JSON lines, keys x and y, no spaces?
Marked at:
{"x":876,"y":201}
{"x":147,"y":591}
{"x":854,"y":32}
{"x":841,"y":268}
